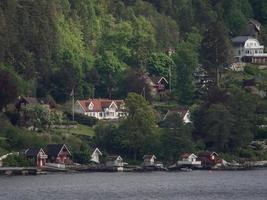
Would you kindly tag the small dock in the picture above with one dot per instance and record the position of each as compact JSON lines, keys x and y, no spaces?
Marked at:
{"x":18,"y":171}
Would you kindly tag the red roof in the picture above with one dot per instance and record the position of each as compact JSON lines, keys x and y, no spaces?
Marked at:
{"x":98,"y":104}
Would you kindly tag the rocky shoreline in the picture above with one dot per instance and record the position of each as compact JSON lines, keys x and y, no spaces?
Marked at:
{"x":10,"y":171}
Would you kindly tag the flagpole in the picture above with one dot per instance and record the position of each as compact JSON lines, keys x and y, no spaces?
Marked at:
{"x":170,"y":78}
{"x":73,"y":105}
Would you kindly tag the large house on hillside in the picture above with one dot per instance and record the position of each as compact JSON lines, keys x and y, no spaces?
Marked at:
{"x":101,"y":108}
{"x":248,"y":49}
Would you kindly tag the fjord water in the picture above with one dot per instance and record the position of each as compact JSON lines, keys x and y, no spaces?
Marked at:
{"x":196,"y":185}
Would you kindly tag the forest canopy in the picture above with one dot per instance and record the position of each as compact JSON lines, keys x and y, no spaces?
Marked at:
{"x":93,"y":43}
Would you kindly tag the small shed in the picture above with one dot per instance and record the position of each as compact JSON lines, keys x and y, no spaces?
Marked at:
{"x":114,"y":161}
{"x":38,"y":155}
{"x":208,"y":158}
{"x":149,"y":160}
{"x":160,"y":83}
{"x":189,"y":157}
{"x":95,"y":157}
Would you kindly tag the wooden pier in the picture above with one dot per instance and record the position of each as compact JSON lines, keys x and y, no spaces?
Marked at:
{"x":19,"y":171}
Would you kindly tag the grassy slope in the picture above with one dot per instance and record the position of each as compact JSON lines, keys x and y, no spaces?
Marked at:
{"x":80,"y":130}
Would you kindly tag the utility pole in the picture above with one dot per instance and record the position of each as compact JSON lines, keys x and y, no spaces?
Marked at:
{"x":170,"y":78}
{"x":143,"y":93}
{"x":72,"y":94}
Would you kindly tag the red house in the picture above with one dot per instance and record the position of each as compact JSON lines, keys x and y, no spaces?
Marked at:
{"x":160,"y":83}
{"x":58,"y":153}
{"x":38,"y":155}
{"x":209,"y":159}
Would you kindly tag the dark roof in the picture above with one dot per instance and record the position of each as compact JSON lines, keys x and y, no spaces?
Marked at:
{"x":32,"y":152}
{"x":112,"y":158}
{"x":186,"y":155}
{"x":31,"y":100}
{"x":240,"y":40}
{"x":181,"y":111}
{"x":54,"y":149}
{"x":255,"y":23}
{"x":148,"y":156}
{"x":206,"y":154}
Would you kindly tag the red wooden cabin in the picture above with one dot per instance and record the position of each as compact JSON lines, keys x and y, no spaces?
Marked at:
{"x":59,"y":153}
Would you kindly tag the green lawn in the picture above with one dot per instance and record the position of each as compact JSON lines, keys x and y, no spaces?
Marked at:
{"x":80,"y":130}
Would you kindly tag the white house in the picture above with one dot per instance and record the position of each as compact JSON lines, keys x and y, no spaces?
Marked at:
{"x":114,"y":161}
{"x":248,"y":49}
{"x":189,"y":159}
{"x":95,"y":157}
{"x":149,"y":160}
{"x":101,"y":108}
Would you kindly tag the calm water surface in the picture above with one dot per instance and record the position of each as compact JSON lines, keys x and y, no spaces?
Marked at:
{"x":201,"y":185}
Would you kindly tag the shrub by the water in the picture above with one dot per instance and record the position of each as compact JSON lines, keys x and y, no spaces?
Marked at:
{"x":17,"y":161}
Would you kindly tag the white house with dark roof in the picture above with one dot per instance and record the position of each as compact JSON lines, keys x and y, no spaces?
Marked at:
{"x":184,"y":114}
{"x":114,"y":161}
{"x":149,"y":160}
{"x":189,"y":159}
{"x":248,"y":49}
{"x":95,"y":156}
{"x":101,"y":108}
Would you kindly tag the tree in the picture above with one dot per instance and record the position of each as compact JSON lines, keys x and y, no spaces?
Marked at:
{"x":175,"y":137}
{"x":136,"y":81}
{"x":10,"y":86}
{"x":260,"y":10}
{"x":160,"y":64}
{"x":218,"y":124}
{"x":244,"y":107}
{"x":235,"y":15}
{"x":186,"y":61}
{"x":139,"y":129}
{"x":108,"y":138}
{"x":110,"y":68}
{"x":66,"y":78}
{"x":143,"y":41}
{"x":215,"y":51}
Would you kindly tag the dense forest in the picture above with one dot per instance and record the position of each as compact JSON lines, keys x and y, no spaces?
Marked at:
{"x":98,"y":47}
{"x":90,"y":45}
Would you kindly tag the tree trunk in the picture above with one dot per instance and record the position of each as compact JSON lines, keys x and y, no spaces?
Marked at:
{"x":217,"y":77}
{"x":135,"y":154}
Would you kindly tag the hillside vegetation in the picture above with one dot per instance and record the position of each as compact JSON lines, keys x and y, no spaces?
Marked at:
{"x":98,"y":47}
